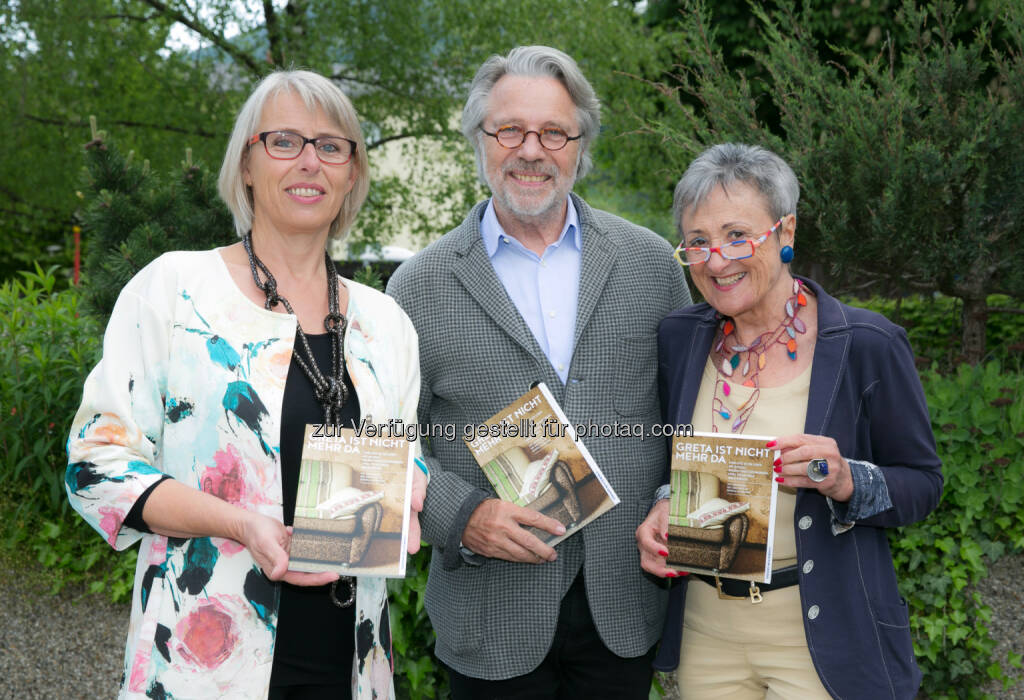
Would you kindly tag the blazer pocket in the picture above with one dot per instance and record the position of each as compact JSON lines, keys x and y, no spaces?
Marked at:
{"x":457,"y":605}
{"x":636,"y":375}
{"x":897,"y":647}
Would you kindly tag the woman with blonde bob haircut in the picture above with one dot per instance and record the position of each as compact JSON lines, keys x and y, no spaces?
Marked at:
{"x":190,"y":432}
{"x":315,"y":91}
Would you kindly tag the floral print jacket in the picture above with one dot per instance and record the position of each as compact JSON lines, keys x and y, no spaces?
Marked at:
{"x":190,"y":385}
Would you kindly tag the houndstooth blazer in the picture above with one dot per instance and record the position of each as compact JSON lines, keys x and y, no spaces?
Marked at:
{"x":496,"y":619}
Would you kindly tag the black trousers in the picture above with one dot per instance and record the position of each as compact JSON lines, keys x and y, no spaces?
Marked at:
{"x":578,"y":665}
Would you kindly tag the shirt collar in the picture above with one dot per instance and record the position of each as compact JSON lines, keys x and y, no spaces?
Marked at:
{"x":491,"y":231}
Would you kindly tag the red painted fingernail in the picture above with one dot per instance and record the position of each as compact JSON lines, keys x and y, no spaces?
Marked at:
{"x":665,"y":535}
{"x":777,"y":470}
{"x":777,"y":462}
{"x":780,"y":479}
{"x":683,"y":573}
{"x":671,"y":574}
{"x":662,"y":552}
{"x":771,"y":443}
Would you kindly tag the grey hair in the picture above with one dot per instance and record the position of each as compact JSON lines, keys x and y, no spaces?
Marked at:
{"x":533,"y":62}
{"x":727,"y":163}
{"x":317,"y":92}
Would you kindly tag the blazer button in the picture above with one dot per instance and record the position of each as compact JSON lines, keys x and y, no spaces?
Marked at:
{"x":805,"y":522}
{"x":808,"y":566}
{"x":812,"y":612}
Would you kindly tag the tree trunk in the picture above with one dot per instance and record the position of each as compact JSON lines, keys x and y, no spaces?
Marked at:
{"x":975,"y":316}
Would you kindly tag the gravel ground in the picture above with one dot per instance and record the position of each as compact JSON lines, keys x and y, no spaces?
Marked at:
{"x":66,"y":646}
{"x":1003,"y":591}
{"x":70,"y":646}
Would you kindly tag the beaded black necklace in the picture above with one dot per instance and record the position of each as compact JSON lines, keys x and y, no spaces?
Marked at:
{"x":330,"y":391}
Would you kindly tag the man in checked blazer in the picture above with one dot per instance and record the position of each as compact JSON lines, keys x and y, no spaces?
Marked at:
{"x":535,"y":285}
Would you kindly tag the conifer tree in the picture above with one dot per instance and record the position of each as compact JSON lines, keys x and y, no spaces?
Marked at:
{"x":132,"y":215}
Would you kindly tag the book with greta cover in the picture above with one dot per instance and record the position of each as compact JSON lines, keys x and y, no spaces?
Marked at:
{"x":722,"y":508}
{"x":533,"y":458}
{"x":351,"y":510}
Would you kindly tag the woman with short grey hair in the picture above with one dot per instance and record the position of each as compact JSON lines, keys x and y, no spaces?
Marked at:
{"x":835,"y":387}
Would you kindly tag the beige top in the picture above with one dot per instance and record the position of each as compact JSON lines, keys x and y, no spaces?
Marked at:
{"x":780,"y":410}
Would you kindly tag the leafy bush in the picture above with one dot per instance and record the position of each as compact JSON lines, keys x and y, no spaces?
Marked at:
{"x":418,"y":673}
{"x":46,"y":350}
{"x":979,"y":428}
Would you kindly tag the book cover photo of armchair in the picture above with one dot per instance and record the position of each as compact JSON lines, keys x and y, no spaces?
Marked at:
{"x":351,"y":512}
{"x":722,"y":506}
{"x":532,"y":456}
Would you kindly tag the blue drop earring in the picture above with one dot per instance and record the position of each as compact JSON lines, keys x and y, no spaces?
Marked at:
{"x":786,"y":254}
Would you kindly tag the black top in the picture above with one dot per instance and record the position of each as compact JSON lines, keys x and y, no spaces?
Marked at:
{"x":315,"y":638}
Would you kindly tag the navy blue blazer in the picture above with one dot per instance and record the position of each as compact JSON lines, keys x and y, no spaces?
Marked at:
{"x":865,"y":393}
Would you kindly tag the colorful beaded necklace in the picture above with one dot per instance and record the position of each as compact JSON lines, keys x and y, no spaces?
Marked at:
{"x":729,"y":353}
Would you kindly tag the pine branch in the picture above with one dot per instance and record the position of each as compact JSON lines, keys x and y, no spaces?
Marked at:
{"x":216,"y":39}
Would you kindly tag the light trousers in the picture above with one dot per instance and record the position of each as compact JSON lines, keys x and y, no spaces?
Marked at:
{"x":735,"y":649}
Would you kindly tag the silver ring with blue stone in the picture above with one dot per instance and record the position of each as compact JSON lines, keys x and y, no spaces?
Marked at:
{"x":817,"y":470}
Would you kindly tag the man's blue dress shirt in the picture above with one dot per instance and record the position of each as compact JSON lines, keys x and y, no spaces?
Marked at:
{"x":544,"y":289}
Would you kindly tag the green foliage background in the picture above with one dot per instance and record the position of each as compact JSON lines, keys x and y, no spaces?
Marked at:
{"x":406,"y":66}
{"x":902,"y":120}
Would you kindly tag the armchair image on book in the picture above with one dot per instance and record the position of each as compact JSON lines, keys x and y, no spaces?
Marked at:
{"x":545,"y":484}
{"x":350,"y":512}
{"x":722,"y":508}
{"x":533,"y":458}
{"x":346,"y":516}
{"x":704,"y":542}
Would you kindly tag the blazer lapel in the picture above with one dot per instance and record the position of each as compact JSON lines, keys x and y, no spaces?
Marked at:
{"x":693,"y":373}
{"x":831,"y":354}
{"x":596,"y":264}
{"x":476,"y":273}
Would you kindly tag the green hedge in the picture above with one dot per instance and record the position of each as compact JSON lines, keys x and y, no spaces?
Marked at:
{"x":47,"y":348}
{"x":979,"y":429}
